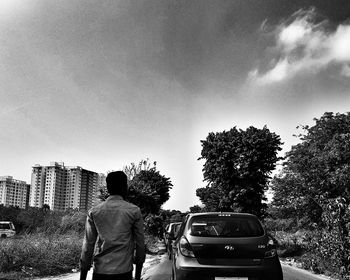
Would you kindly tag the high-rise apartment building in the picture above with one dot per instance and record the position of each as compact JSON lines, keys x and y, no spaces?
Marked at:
{"x":81,"y":188}
{"x":13,"y":192}
{"x":37,"y":186}
{"x":63,"y":187}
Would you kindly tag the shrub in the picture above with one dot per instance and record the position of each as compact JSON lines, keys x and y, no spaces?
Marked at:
{"x":151,"y":244}
{"x":153,"y":225}
{"x":74,"y":221}
{"x":279,"y":224}
{"x":329,"y":246}
{"x":39,"y":255}
{"x":291,"y":244}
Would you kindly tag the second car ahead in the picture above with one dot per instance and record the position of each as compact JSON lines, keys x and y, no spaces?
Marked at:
{"x":231,"y":246}
{"x":170,"y":232}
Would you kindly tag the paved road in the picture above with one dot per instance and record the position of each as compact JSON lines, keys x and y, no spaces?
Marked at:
{"x":162,"y":271}
{"x":292,"y":273}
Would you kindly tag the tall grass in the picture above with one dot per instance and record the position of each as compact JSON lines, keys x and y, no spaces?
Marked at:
{"x":39,"y":255}
{"x":48,"y":243}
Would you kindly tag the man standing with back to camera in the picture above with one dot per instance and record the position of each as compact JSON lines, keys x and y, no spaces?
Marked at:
{"x":116,"y":227}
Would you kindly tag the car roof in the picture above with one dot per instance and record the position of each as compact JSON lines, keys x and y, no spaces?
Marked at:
{"x":176,"y":223}
{"x":235,"y":214}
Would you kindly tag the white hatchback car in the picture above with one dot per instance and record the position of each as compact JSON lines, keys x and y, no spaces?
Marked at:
{"x":7,"y":229}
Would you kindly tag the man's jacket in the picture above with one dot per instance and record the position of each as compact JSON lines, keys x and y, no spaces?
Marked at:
{"x":116,"y":226}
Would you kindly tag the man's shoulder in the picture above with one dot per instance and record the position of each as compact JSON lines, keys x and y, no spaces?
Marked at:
{"x":122,"y":203}
{"x":98,"y":207}
{"x":131,"y":206}
{"x":93,"y":210}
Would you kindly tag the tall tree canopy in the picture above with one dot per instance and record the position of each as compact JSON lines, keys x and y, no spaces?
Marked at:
{"x":134,"y":169}
{"x":316,"y":169}
{"x":237,"y":167}
{"x":149,"y":190}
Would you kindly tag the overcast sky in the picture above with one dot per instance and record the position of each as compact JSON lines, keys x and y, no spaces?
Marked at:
{"x":101,"y":84}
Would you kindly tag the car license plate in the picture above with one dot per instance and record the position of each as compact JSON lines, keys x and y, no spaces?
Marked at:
{"x":231,"y":278}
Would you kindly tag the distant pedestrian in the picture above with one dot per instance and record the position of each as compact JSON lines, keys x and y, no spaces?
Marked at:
{"x":115,"y":227}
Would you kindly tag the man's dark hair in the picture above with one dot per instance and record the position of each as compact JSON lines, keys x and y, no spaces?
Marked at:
{"x":117,"y":183}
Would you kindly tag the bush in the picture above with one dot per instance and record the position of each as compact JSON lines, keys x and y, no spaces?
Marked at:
{"x":151,"y":244}
{"x":74,"y":221}
{"x":39,"y":255}
{"x":329,"y":246}
{"x":42,"y":220}
{"x":291,"y":250}
{"x":291,"y":244}
{"x":279,"y":224}
{"x":153,"y":225}
{"x":325,"y":254}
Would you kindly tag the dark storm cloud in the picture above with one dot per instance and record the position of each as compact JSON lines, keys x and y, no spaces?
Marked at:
{"x":192,"y":42}
{"x":198,"y":41}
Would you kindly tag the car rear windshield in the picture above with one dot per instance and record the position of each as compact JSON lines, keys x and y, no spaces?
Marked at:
{"x":226,"y":226}
{"x":5,"y":226}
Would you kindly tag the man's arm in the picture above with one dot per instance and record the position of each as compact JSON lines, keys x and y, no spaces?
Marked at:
{"x":88,"y":246}
{"x":139,"y":244}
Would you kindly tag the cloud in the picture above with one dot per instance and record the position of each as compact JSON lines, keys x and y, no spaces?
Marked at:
{"x":346,"y":71}
{"x":303,"y":45}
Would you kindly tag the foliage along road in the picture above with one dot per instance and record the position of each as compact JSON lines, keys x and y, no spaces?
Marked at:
{"x":162,"y":271}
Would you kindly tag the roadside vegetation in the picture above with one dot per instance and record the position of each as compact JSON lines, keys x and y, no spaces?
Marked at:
{"x":310,"y":212}
{"x":49,"y":242}
{"x":311,"y":203}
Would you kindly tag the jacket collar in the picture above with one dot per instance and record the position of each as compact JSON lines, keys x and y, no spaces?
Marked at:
{"x":115,"y":197}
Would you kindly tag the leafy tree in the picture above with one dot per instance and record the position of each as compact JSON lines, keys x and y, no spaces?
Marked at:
{"x":149,"y":190}
{"x":315,"y":183}
{"x":178,"y":217}
{"x":134,"y":169}
{"x":147,"y":187}
{"x":237,"y":169}
{"x":31,"y":219}
{"x":291,"y":201}
{"x":171,"y":216}
{"x":10,"y":213}
{"x":316,"y":169}
{"x":196,"y":209}
{"x":329,"y":246}
{"x":103,"y":194}
{"x":154,"y":225}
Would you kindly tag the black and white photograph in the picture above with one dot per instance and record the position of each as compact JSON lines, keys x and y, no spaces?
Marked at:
{"x":175,"y":139}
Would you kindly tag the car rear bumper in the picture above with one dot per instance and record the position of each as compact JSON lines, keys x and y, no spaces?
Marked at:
{"x":268,"y":269}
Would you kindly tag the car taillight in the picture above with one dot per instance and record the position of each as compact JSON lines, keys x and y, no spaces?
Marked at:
{"x":270,"y":249}
{"x":185,"y":248}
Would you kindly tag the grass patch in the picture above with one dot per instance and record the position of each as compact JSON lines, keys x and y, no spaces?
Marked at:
{"x":36,"y":255}
{"x":39,"y":255}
